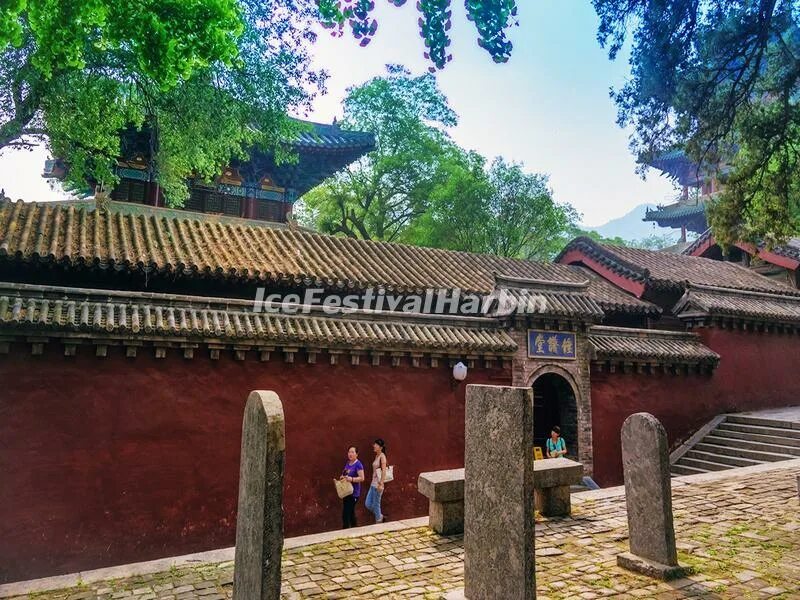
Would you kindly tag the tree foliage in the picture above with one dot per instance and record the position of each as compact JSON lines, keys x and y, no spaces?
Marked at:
{"x":206,"y":80}
{"x":379,"y":195}
{"x":496,"y":209}
{"x":719,"y":78}
{"x":492,"y":19}
{"x":576,"y":231}
{"x":419,"y":187}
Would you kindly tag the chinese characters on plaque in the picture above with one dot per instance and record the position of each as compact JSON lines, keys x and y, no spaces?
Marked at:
{"x":550,"y":344}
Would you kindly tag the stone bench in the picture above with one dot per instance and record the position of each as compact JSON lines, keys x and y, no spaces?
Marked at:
{"x":552,"y":479}
{"x":445,"y":493}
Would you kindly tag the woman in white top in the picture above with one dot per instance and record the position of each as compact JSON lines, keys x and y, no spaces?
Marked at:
{"x":373,"y":502}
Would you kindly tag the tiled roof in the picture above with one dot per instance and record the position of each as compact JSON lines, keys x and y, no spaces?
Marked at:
{"x":332,"y":136}
{"x":568,"y":304}
{"x":701,"y":239}
{"x":615,"y":300}
{"x":135,"y":209}
{"x":677,"y":165}
{"x":191,"y":247}
{"x":45,"y":309}
{"x":791,"y":249}
{"x":672,"y":271}
{"x":721,"y":302}
{"x":646,"y":345}
{"x":679,"y":210}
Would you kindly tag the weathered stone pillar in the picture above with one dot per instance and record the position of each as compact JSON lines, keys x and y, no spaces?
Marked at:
{"x":648,"y":495}
{"x":498,"y":494}
{"x":259,"y":522}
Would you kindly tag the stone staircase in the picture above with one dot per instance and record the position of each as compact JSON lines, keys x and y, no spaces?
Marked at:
{"x":740,"y":441}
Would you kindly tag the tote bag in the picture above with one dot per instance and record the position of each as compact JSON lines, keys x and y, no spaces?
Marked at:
{"x":343,"y":488}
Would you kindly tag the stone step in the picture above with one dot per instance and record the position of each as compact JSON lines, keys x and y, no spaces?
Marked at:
{"x":703,"y":465}
{"x":756,"y":437}
{"x":756,"y":455}
{"x":758,"y":429}
{"x":679,"y":469}
{"x":749,"y":444}
{"x":763,"y":422}
{"x":721,"y":459}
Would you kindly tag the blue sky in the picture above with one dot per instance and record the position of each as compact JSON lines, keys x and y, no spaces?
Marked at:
{"x":548,"y":107}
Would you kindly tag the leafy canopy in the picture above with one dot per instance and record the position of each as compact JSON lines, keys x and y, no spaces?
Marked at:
{"x":165,"y":40}
{"x":380,"y":194}
{"x":203,"y":81}
{"x":496,"y":209}
{"x":419,"y":187}
{"x":720,"y":79}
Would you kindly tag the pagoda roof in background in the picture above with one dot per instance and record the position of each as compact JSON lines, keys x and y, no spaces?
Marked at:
{"x":331,"y":136}
{"x":676,"y":165}
{"x":689,"y":213}
{"x":323,"y":149}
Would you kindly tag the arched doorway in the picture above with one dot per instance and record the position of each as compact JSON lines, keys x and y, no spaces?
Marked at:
{"x":554,"y":404}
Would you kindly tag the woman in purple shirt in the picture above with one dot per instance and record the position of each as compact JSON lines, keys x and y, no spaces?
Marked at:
{"x":354,"y":473}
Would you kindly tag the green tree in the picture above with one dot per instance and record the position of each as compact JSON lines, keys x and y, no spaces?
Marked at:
{"x":653,"y":242}
{"x":720,"y":79}
{"x":498,"y":210}
{"x":716,"y":77}
{"x":379,"y":195}
{"x":576,"y":231}
{"x":206,"y":80}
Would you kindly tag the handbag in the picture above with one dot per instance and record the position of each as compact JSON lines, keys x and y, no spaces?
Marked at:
{"x":343,"y":488}
{"x":389,"y":474}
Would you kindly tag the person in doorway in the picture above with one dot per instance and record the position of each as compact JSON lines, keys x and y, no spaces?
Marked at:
{"x":373,"y":502}
{"x":354,"y":473}
{"x":555,"y":444}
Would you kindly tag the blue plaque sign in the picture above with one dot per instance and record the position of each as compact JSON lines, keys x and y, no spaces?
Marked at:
{"x":551,"y":344}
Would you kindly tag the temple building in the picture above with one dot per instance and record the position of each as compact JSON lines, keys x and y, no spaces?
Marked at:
{"x":689,"y":215}
{"x":130,"y":338}
{"x":256,"y":188}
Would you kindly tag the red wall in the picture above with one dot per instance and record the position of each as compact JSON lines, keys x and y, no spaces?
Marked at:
{"x":757,"y":370}
{"x":115,"y":460}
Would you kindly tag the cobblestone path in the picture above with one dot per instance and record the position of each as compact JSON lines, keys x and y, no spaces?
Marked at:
{"x":741,"y":535}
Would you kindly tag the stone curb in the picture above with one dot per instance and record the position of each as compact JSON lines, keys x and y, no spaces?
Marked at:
{"x":32,"y":586}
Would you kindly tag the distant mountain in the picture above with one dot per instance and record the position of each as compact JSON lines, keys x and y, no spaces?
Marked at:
{"x":631,"y":227}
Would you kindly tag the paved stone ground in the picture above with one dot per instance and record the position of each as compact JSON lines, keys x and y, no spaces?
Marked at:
{"x":788,"y":413}
{"x":741,"y":534}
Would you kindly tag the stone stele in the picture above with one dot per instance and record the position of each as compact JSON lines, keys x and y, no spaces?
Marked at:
{"x":259,"y":522}
{"x":648,"y":496}
{"x":498,"y":494}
